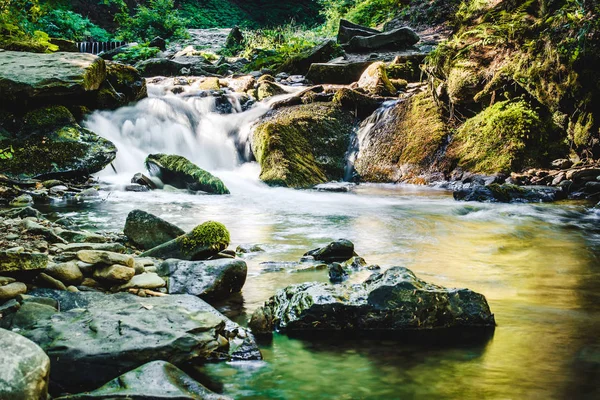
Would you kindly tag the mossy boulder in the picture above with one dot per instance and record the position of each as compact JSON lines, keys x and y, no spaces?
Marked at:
{"x":268,"y":89}
{"x":127,"y":80}
{"x":508,"y":136}
{"x":48,"y":143}
{"x":210,"y":84}
{"x":463,"y":83}
{"x":58,"y":78}
{"x":361,"y":104}
{"x":202,"y":242}
{"x":338,"y":73}
{"x":403,"y":143}
{"x":302,"y":146}
{"x":148,"y":231}
{"x":178,"y":171}
{"x":397,"y":39}
{"x":375,"y":80}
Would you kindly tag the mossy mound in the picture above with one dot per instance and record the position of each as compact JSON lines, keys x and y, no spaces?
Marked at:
{"x":178,"y":171}
{"x":210,"y":84}
{"x":48,"y":143}
{"x":505,"y":137}
{"x":360,"y":104}
{"x":126,"y":80}
{"x":302,"y":146}
{"x":463,"y":84}
{"x":211,"y":235}
{"x":268,"y":89}
{"x":375,"y":80}
{"x":404,"y":143}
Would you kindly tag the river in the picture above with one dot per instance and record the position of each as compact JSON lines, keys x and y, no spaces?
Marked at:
{"x":538,"y":266}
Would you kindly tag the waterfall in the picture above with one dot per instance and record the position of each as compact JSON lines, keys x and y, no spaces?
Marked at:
{"x":192,"y":124}
{"x":362,"y":133}
{"x":98,"y":47}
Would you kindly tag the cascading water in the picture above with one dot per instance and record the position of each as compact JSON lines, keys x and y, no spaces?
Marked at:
{"x":212,"y":132}
{"x":362,"y":133}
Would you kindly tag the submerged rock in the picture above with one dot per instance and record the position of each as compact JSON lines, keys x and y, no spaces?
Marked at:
{"x":25,"y":368}
{"x":395,"y":301}
{"x":148,"y":231}
{"x":340,"y":250}
{"x":155,"y":380}
{"x":97,"y":337}
{"x":302,"y":146}
{"x":506,"y":193}
{"x":212,"y":279}
{"x":203,"y":241}
{"x":180,"y":172}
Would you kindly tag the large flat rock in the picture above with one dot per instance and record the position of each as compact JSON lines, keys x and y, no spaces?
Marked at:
{"x":26,"y":77}
{"x":97,"y":337}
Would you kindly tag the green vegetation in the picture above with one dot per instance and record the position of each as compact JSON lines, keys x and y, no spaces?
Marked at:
{"x":158,"y":18}
{"x":139,"y":52}
{"x":66,"y":24}
{"x":211,"y":234}
{"x":363,"y":12}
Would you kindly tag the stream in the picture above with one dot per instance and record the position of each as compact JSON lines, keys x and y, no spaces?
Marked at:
{"x":537,"y":264}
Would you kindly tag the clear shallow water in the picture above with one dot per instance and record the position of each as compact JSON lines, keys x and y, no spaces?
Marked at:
{"x":536,"y":264}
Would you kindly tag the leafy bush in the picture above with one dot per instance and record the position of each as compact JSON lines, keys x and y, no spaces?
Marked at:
{"x":364,"y":12}
{"x":69,"y":25}
{"x":159,"y":18}
{"x":18,"y":31}
{"x":140,"y":52}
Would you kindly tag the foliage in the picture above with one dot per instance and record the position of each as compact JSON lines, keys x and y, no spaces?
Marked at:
{"x":139,"y":52}
{"x":18,"y":30}
{"x":269,"y":48}
{"x":159,"y":18}
{"x":7,"y":153}
{"x":72,"y":26}
{"x":364,"y":12}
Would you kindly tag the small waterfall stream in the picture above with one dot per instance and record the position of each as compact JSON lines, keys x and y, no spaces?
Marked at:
{"x":99,"y":47}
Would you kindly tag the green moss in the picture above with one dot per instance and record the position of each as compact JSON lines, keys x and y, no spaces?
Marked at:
{"x":266,"y":78}
{"x":211,"y":234}
{"x":356,"y":102}
{"x":302,"y":146}
{"x":47,"y":118}
{"x":412,"y":134}
{"x":399,"y":84}
{"x":210,"y":84}
{"x":506,"y":192}
{"x":180,"y":168}
{"x":581,"y":130}
{"x":68,"y":133}
{"x":463,"y":83}
{"x":507,"y":136}
{"x":268,"y":89}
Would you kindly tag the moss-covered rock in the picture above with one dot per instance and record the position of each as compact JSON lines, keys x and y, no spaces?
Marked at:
{"x":319,"y":54}
{"x":463,"y":83}
{"x":339,"y":73}
{"x":403,"y":143}
{"x":505,"y":137}
{"x":303,"y":145}
{"x":360,"y":104}
{"x":202,"y":242}
{"x":59,"y":78}
{"x":178,"y":171}
{"x":268,"y":89}
{"x":375,"y":80}
{"x":127,"y":80}
{"x":209,"y":84}
{"x":48,"y":143}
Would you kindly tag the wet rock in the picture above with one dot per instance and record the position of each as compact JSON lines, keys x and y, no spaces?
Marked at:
{"x":158,"y":42}
{"x":23,"y":200}
{"x":33,"y":228}
{"x":507,"y":193}
{"x":97,"y":337}
{"x":25,"y":212}
{"x":69,"y":273}
{"x":23,"y":261}
{"x":395,"y":301}
{"x":336,"y":73}
{"x":46,"y":280}
{"x":12,"y":290}
{"x":80,"y":236}
{"x":105,"y":257}
{"x":172,"y":67}
{"x":347,"y":30}
{"x":181,"y":173}
{"x":397,"y":39}
{"x":90,"y":193}
{"x":126,"y":80}
{"x":143,"y":180}
{"x":25,"y":368}
{"x":562,"y":163}
{"x":375,"y":80}
{"x":134,"y":187}
{"x":148,"y":231}
{"x":356,"y":263}
{"x":114,"y":273}
{"x":203,"y":241}
{"x":154,"y":380}
{"x":340,"y":250}
{"x":245,"y":249}
{"x":75,"y":247}
{"x":213,"y":279}
{"x":337,"y":273}
{"x":242,"y":84}
{"x":268,"y":89}
{"x":299,"y":65}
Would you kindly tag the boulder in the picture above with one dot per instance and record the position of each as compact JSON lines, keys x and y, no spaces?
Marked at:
{"x":361,"y":104}
{"x":210,"y":280}
{"x":68,"y":273}
{"x":17,"y":262}
{"x":299,"y":65}
{"x":105,"y":257}
{"x":397,"y":39}
{"x":180,"y":172}
{"x":336,"y":73}
{"x":48,"y":78}
{"x":173,"y":67}
{"x":507,"y":193}
{"x":148,"y":231}
{"x":97,"y":337}
{"x":337,"y":273}
{"x":394,"y":302}
{"x":25,"y":368}
{"x":268,"y":89}
{"x":242,"y":84}
{"x":302,"y":146}
{"x":126,"y":80}
{"x":340,"y":250}
{"x":12,"y":290}
{"x":114,"y":273}
{"x":158,"y":42}
{"x":203,"y":241}
{"x":347,"y":30}
{"x":375,"y":80}
{"x":154,"y":380}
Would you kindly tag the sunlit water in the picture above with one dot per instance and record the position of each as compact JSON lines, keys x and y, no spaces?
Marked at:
{"x":536,"y":264}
